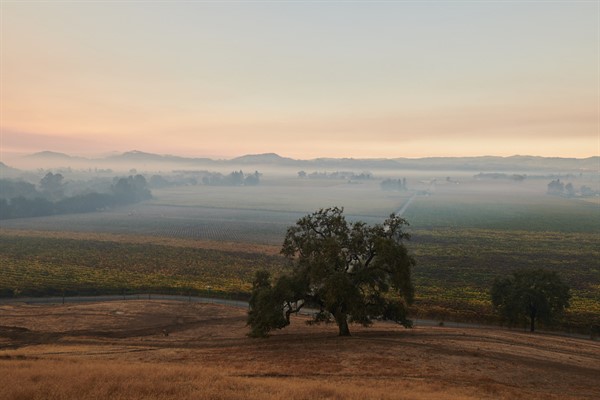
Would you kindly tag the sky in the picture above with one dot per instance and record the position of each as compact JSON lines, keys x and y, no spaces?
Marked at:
{"x":304,"y":79}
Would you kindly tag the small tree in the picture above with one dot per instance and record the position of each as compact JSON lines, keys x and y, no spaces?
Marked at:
{"x":556,"y":187}
{"x":530,"y":294}
{"x":52,"y":185}
{"x":351,"y":272}
{"x":131,"y":190}
{"x":570,"y":189}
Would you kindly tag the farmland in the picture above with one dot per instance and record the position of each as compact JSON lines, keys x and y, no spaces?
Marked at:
{"x":187,"y":239}
{"x":43,"y":266}
{"x":504,"y":207}
{"x":239,"y":214}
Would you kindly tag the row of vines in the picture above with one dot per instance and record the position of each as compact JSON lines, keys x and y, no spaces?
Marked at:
{"x":455,"y":268}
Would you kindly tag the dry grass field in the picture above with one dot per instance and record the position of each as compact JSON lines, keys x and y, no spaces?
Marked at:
{"x":174,"y":350}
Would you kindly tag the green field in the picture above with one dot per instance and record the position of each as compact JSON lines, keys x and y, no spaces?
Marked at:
{"x":463,"y":237}
{"x":504,"y":211}
{"x":295,"y":196}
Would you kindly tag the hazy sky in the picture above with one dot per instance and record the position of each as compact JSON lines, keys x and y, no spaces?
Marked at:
{"x":304,"y":79}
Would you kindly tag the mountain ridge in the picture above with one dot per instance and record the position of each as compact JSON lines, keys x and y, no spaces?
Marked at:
{"x":137,"y":158}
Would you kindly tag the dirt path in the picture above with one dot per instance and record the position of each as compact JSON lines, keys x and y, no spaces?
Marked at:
{"x":405,"y":206}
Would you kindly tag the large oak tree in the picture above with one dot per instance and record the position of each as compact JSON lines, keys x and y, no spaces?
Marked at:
{"x":349,"y":272}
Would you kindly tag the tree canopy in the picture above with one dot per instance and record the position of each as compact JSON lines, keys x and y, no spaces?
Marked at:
{"x":349,"y":271}
{"x":530,"y":295}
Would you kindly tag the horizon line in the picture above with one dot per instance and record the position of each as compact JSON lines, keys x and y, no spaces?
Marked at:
{"x":107,"y":154}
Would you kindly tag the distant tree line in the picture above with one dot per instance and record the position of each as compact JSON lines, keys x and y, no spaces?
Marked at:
{"x":203,"y":177}
{"x":558,"y":188}
{"x":342,"y":175}
{"x":394,"y":185}
{"x":499,"y":175}
{"x":236,"y":178}
{"x":19,"y":199}
{"x":160,"y":181}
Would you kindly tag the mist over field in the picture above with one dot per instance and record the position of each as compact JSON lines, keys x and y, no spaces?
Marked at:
{"x":471,"y":220}
{"x":180,"y":196}
{"x":482,"y":192}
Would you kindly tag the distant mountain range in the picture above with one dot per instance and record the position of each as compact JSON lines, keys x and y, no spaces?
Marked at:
{"x":142,"y":160}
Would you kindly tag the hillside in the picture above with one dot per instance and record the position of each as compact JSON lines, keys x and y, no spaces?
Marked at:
{"x":144,"y":349}
{"x":7,"y":171}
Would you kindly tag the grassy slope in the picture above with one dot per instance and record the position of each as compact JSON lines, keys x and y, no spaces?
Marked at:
{"x":117,"y":350}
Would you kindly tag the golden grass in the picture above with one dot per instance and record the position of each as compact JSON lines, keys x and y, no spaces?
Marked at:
{"x":95,"y":380}
{"x":118,"y":350}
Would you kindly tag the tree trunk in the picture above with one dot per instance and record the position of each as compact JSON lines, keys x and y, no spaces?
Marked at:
{"x":342,"y":322}
{"x":532,"y":320}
